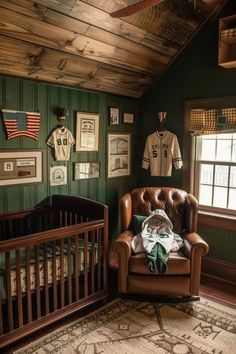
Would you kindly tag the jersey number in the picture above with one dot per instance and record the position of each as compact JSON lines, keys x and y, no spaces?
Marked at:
{"x":154,"y":153}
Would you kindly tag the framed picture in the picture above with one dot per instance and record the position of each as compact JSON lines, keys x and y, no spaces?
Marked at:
{"x":128,"y":118}
{"x":58,"y":175}
{"x":113,"y":115}
{"x":87,"y":131}
{"x":118,"y":154}
{"x":86,"y":170}
{"x":21,"y":167}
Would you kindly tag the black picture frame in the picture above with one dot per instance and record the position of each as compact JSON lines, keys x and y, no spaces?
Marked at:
{"x":113,"y":115}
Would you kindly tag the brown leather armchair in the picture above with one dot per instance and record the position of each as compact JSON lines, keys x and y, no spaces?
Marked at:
{"x":182,"y":277}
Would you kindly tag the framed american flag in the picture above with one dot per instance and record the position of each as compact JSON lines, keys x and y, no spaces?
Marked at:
{"x":20,"y":123}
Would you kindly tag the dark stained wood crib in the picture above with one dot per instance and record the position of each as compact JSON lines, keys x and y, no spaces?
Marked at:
{"x":53,"y":261}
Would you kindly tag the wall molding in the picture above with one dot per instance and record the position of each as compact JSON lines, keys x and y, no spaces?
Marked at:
{"x":215,"y":268}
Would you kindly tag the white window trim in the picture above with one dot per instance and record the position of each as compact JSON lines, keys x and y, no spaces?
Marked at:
{"x":195,"y":179}
{"x":189,"y":158}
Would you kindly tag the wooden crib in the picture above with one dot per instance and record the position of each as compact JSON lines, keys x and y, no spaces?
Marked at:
{"x":53,"y":261}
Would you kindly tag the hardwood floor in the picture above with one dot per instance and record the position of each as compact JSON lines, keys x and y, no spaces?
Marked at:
{"x":219,"y":291}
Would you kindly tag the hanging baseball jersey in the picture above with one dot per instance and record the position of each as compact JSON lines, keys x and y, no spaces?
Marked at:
{"x":161,"y":151}
{"x":61,"y":139}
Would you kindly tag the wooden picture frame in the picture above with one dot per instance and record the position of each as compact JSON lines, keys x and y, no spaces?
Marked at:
{"x":87,"y":131}
{"x":128,"y":118}
{"x":113,"y":115}
{"x":118,"y":154}
{"x":21,"y":167}
{"x":86,"y":170}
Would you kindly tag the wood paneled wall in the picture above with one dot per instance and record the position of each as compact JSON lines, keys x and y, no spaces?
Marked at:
{"x":26,"y":95}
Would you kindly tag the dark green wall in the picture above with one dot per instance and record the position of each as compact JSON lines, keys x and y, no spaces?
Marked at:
{"x":195,"y":74}
{"x":26,"y":95}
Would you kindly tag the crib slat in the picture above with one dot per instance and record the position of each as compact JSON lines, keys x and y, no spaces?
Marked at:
{"x":99,"y":259}
{"x":1,"y":318}
{"x":77,"y":254}
{"x":86,"y":264}
{"x":28,"y":290}
{"x":54,"y":274}
{"x":45,"y":262}
{"x":62,"y":273}
{"x":70,"y":218}
{"x":19,"y":292}
{"x":9,"y":295}
{"x":60,"y":218}
{"x":37,"y":281}
{"x":69,"y":270}
{"x":93,"y":261}
{"x":10,"y":227}
{"x":104,"y":247}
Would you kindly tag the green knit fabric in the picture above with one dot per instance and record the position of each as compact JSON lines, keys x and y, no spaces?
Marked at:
{"x":157,"y":259}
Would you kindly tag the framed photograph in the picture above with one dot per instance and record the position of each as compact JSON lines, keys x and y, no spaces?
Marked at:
{"x":113,"y":115}
{"x":21,"y":167}
{"x":58,"y":175}
{"x":86,"y":170}
{"x":128,"y":118}
{"x":87,"y":131}
{"x":118,"y":154}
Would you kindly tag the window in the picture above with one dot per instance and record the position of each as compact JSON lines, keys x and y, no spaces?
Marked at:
{"x":215,"y":172}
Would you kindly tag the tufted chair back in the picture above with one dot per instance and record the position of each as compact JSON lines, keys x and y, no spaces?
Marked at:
{"x":180,"y":207}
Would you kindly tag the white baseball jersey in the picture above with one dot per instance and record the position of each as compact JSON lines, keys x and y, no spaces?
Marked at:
{"x":161,"y":150}
{"x":61,"y":139}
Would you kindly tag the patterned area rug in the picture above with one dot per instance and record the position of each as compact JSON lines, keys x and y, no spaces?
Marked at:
{"x":127,"y":326}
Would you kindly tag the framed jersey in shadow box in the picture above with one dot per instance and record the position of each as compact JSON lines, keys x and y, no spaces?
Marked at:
{"x":118,"y":154}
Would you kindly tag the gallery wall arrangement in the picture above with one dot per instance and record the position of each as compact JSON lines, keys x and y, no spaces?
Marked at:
{"x":54,"y":140}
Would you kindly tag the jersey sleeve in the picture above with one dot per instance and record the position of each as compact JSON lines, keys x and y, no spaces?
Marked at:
{"x":71,"y":139}
{"x":146,"y":158}
{"x":50,"y":141}
{"x":176,"y":154}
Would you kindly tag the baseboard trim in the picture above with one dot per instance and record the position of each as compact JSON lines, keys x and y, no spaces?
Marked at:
{"x":218,"y":269}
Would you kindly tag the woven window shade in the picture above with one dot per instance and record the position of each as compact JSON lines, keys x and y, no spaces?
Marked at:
{"x":212,"y":121}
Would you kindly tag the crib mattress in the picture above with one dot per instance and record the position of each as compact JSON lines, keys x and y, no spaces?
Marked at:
{"x":50,"y":267}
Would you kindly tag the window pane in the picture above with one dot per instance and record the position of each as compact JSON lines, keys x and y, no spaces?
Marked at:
{"x":223,"y":150}
{"x":220,"y":197}
{"x":206,"y":174}
{"x":221,"y":175}
{"x":205,"y":195}
{"x":234,"y":151}
{"x":226,"y":136}
{"x":232,"y":199}
{"x":232,"y":182}
{"x":208,"y":150}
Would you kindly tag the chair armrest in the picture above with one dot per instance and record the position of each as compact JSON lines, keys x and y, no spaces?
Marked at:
{"x":195,"y":248}
{"x":119,"y":258}
{"x":122,"y":244}
{"x":193,"y":243}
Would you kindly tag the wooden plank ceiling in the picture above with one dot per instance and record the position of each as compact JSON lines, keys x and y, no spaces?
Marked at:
{"x":78,"y":43}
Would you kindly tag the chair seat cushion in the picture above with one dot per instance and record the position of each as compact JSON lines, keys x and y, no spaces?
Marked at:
{"x":178,"y":263}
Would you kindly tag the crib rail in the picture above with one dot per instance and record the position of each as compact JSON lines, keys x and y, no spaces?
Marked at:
{"x":19,"y":223}
{"x":49,"y":274}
